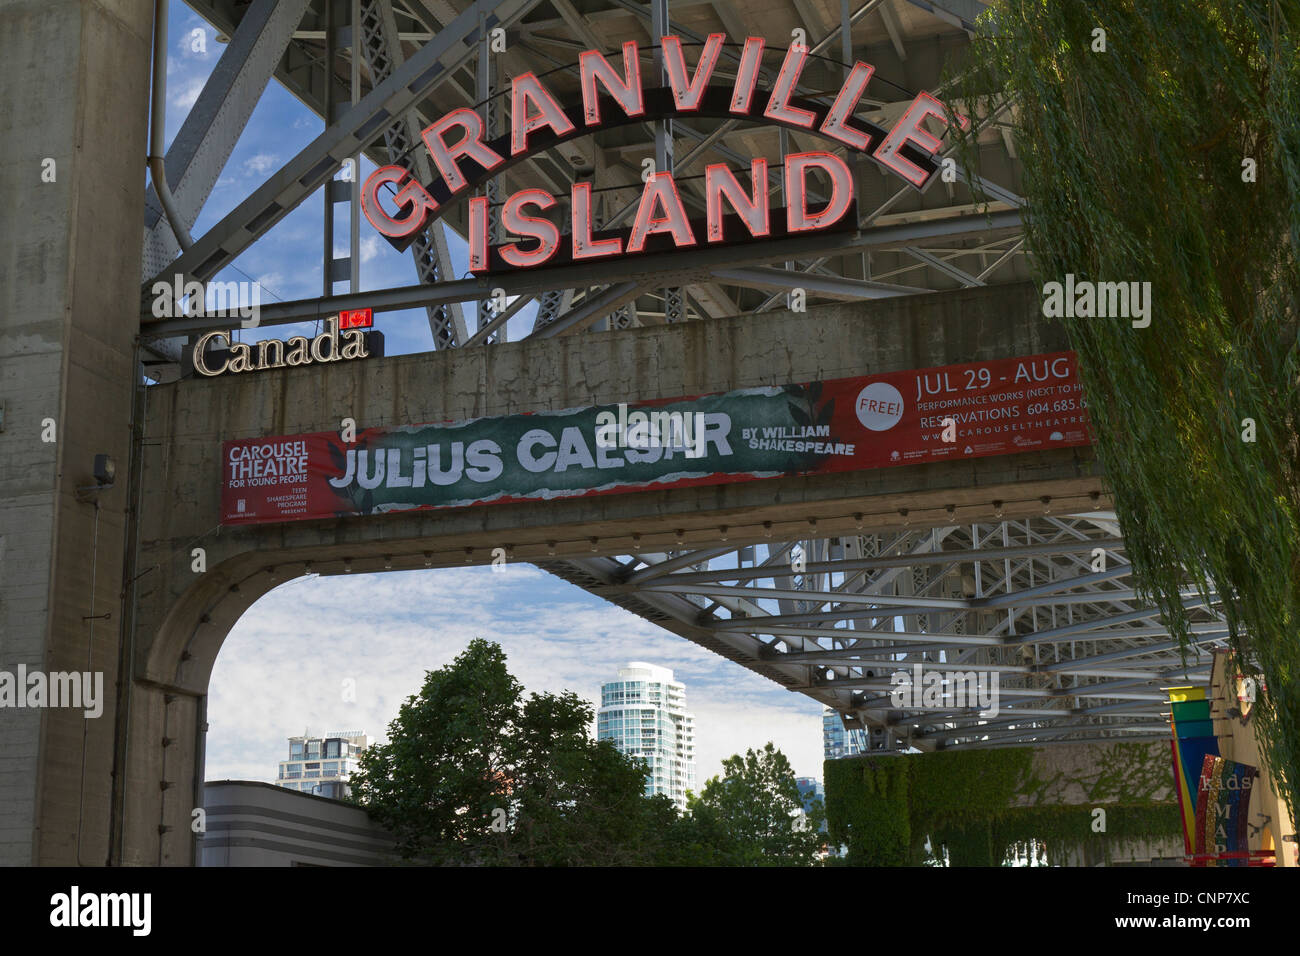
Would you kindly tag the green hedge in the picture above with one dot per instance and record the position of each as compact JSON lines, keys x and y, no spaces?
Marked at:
{"x":867,"y":809}
{"x":884,"y":808}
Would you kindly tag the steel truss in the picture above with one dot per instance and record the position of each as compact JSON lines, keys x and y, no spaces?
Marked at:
{"x":1046,"y":603}
{"x":421,"y":58}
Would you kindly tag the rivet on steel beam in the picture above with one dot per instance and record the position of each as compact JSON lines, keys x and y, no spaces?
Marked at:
{"x":595,"y":543}
{"x":767,"y":529}
{"x":550,"y":547}
{"x":428,"y":559}
{"x":857,"y":520}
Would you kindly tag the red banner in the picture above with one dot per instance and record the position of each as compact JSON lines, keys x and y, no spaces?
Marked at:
{"x":895,"y":418}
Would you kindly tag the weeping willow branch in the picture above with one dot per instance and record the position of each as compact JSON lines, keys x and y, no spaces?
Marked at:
{"x":1134,"y":171}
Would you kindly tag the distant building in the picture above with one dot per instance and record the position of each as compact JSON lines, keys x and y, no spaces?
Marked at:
{"x":810,"y":789}
{"x":837,"y":741}
{"x":250,"y":823}
{"x":322,"y":765}
{"x":644,"y":714}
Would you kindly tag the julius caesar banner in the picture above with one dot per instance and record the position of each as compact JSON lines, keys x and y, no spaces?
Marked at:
{"x":897,"y":418}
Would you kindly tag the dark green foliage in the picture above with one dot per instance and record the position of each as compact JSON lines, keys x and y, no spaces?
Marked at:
{"x":885,"y":808}
{"x":1133,"y":171}
{"x":748,"y":816}
{"x":867,"y":810}
{"x":474,"y":774}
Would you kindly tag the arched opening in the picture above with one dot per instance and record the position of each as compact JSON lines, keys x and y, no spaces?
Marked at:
{"x":328,"y":651}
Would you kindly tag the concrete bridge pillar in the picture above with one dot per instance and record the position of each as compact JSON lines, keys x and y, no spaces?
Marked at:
{"x":73,"y":118}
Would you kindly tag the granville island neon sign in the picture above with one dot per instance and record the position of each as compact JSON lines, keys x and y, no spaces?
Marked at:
{"x":610,"y":98}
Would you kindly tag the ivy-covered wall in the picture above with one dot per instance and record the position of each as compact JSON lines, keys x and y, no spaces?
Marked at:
{"x":980,"y":805}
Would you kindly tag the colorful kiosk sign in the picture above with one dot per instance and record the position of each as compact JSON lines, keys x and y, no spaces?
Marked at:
{"x":613,"y":97}
{"x":895,"y":418}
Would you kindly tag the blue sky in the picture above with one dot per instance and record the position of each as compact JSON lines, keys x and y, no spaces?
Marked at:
{"x":282,"y":668}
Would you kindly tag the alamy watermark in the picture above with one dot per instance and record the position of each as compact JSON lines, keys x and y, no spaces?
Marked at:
{"x":74,"y":909}
{"x":178,"y":298}
{"x":1101,"y":300}
{"x":676,"y":431}
{"x":76,"y":689}
{"x":922,"y":689}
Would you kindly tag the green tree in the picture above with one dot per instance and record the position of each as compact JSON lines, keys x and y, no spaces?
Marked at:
{"x":473,"y":773}
{"x":750,"y":816}
{"x":1173,"y":157}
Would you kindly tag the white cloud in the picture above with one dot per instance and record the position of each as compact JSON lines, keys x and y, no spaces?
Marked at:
{"x":369,"y":248}
{"x":283,"y":665}
{"x":261,"y":164}
{"x":271,"y":280}
{"x":184,"y":94}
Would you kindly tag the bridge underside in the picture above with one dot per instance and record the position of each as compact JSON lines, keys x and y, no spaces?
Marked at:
{"x":825,"y":585}
{"x":1009,"y":564}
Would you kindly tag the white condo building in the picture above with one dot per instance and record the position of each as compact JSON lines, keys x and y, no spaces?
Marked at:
{"x":644,"y":714}
{"x":322,"y":765}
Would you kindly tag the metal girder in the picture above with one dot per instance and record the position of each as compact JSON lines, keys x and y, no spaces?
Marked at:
{"x":833,"y":287}
{"x":1081,"y":660}
{"x":589,"y":310}
{"x":945,"y":267}
{"x":811,"y":17}
{"x":551,"y":305}
{"x":383,"y":50}
{"x":354,"y":131}
{"x":499,"y":319}
{"x":959,"y":13}
{"x":687,"y":266}
{"x":215,"y":122}
{"x":893,"y":28}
